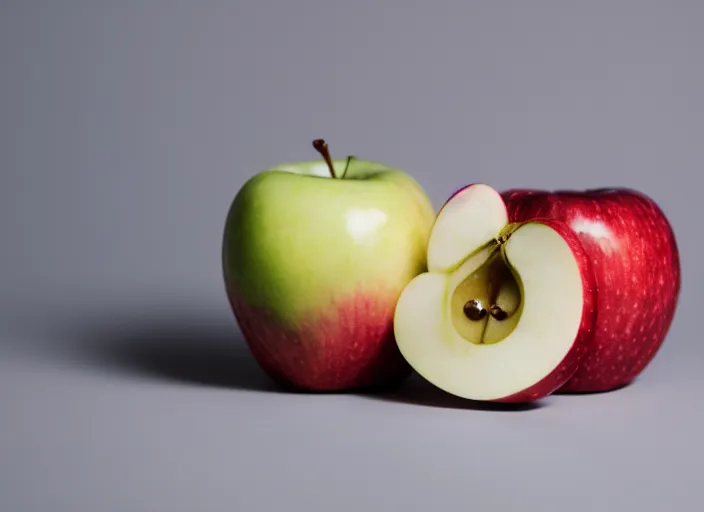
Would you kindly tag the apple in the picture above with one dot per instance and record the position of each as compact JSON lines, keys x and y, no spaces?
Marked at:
{"x":314,"y":256}
{"x":505,"y":311}
{"x":636,"y":263}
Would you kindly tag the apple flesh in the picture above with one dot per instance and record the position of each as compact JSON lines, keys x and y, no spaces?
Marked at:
{"x":314,"y":256}
{"x":635,"y":259}
{"x":505,"y":311}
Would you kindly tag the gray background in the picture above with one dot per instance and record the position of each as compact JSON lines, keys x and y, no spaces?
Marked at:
{"x":127,"y":127}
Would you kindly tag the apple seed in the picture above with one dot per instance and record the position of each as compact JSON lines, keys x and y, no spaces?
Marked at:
{"x":474,"y":310}
{"x":498,"y":313}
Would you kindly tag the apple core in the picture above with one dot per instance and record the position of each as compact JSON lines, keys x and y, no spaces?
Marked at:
{"x":485,"y":306}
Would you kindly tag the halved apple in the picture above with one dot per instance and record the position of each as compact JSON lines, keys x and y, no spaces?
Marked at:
{"x":505,"y":311}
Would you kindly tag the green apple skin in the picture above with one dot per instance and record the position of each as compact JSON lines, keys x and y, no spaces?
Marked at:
{"x":313,"y":266}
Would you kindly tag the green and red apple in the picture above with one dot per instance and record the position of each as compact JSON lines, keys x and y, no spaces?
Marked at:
{"x":315,"y":255}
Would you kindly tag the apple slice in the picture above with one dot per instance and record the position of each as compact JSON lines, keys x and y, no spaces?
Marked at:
{"x":505,"y":311}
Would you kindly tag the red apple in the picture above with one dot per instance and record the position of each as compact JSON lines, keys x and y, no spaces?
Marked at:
{"x":636,"y":263}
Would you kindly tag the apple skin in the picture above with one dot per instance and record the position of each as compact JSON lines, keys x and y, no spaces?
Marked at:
{"x":636,"y":263}
{"x":313,"y":267}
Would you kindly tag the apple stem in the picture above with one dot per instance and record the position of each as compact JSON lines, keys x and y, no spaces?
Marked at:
{"x":321,"y":146}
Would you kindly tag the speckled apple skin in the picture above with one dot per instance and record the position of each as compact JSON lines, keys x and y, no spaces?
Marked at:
{"x":570,"y":364}
{"x":636,"y":263}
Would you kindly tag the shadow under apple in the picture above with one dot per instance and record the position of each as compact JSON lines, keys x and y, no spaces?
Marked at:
{"x":179,"y":352}
{"x":192,"y":346}
{"x":418,"y":391}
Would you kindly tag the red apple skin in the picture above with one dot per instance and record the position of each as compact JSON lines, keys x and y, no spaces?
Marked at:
{"x":349,"y":346}
{"x":585,"y":336}
{"x":636,"y":263}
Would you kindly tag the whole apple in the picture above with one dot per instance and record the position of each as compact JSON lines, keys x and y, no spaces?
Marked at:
{"x":635,"y":259}
{"x":315,"y":255}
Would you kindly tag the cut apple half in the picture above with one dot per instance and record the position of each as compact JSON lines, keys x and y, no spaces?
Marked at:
{"x":506,"y":312}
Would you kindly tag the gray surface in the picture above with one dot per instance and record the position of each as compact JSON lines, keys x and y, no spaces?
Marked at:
{"x":124,"y":133}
